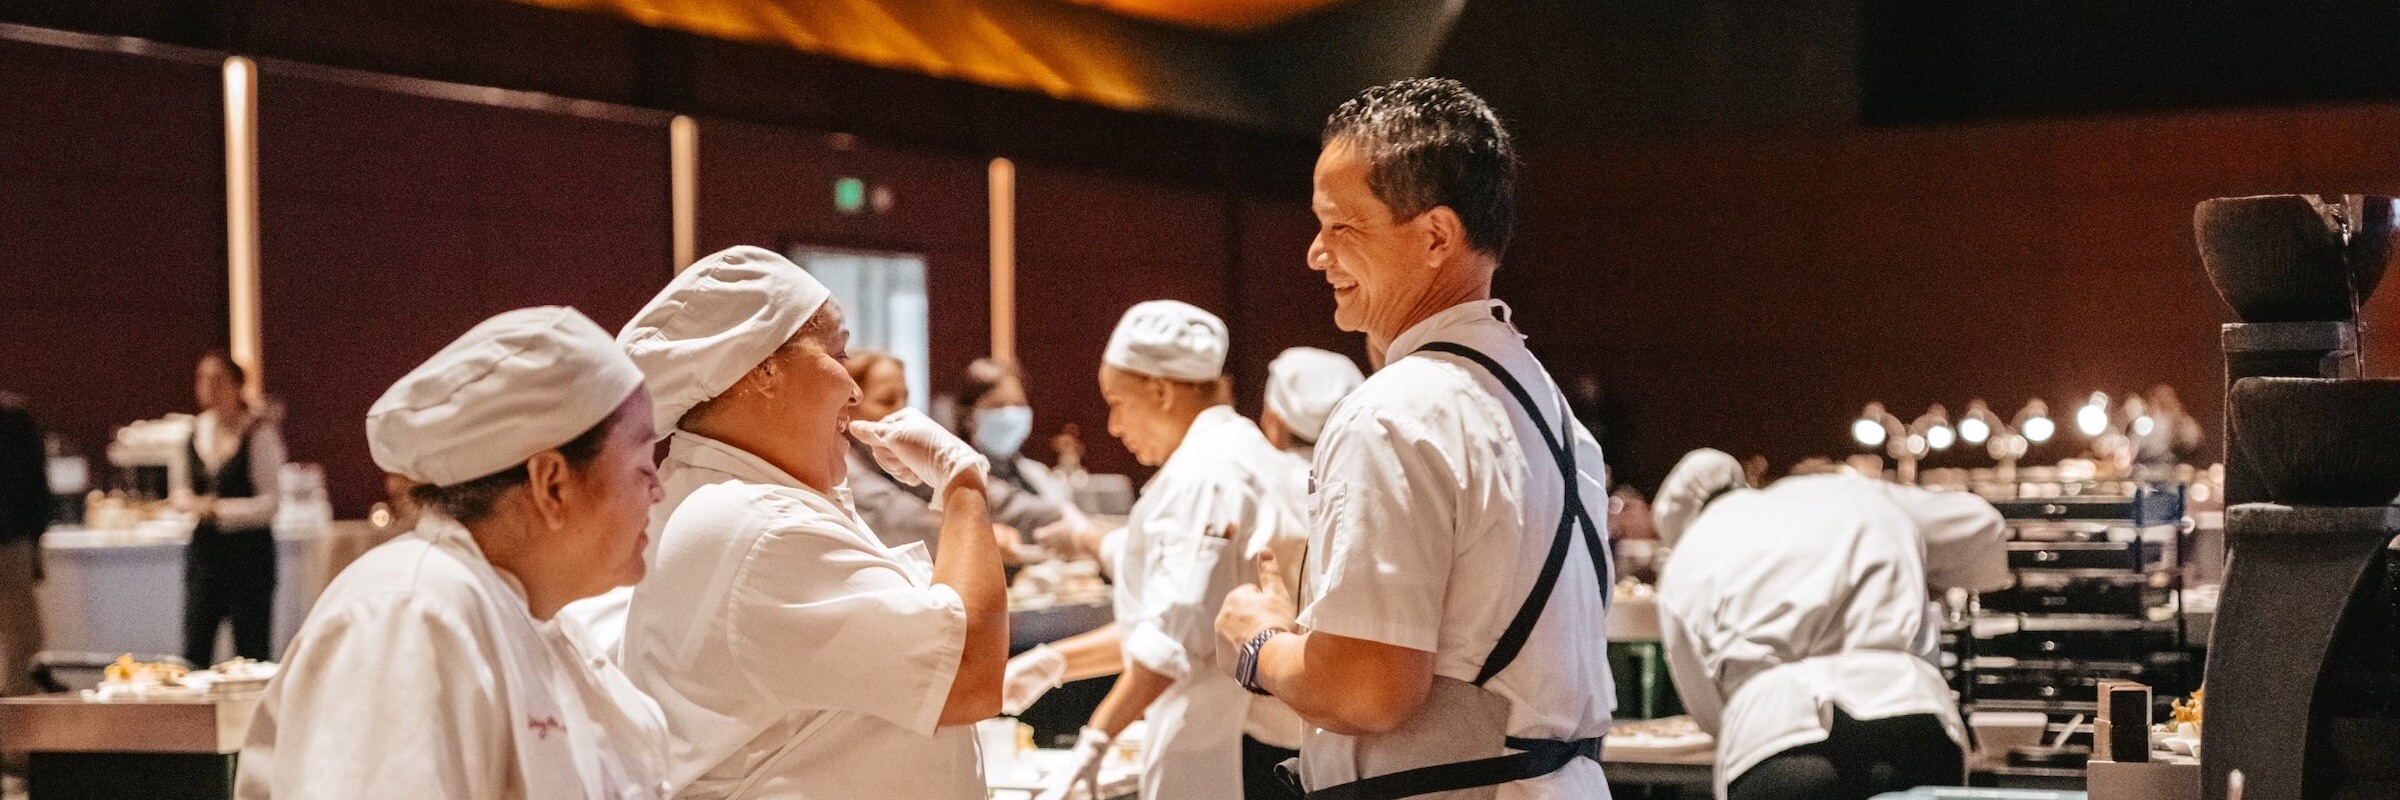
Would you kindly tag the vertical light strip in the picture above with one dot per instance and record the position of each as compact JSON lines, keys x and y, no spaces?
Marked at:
{"x":241,"y":219}
{"x":683,"y":180}
{"x":1004,"y":261}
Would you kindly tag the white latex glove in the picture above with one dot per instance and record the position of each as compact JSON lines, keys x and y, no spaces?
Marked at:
{"x":1030,"y":675}
{"x":1082,"y":768}
{"x":919,"y":452}
{"x":1062,"y":538}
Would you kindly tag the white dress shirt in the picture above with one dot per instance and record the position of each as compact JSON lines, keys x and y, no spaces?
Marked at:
{"x":1435,"y":506}
{"x":256,"y":512}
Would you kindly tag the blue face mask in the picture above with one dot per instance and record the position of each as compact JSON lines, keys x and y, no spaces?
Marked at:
{"x":1000,"y":432}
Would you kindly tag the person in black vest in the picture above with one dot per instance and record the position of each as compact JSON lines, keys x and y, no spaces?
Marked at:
{"x":233,"y":461}
{"x":24,"y":514}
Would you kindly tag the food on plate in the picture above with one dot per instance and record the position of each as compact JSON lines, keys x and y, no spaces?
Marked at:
{"x":1057,"y":583}
{"x":2190,"y":712}
{"x":128,"y":679}
{"x":1677,"y":737}
{"x":233,"y":677}
{"x":1664,"y":728}
{"x":130,"y":672}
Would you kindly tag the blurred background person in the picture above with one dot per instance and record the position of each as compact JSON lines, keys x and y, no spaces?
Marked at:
{"x":1303,"y":386}
{"x":24,"y":514}
{"x":1633,"y":535}
{"x":2171,"y":437}
{"x":901,"y":513}
{"x":1219,"y":498}
{"x":996,"y":417}
{"x":235,"y":465}
{"x":1607,"y":414}
{"x":1797,"y":625}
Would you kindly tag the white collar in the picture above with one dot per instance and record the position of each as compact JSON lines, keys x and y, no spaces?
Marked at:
{"x":706,"y":453}
{"x":1434,"y":328}
{"x":447,"y":532}
{"x":1210,"y":419}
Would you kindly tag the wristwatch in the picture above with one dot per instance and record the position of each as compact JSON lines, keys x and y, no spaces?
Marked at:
{"x":1245,"y":669}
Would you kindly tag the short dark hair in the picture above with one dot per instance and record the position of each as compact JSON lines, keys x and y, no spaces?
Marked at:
{"x":234,"y":368}
{"x":471,"y":501}
{"x":1429,"y":142}
{"x":983,"y":376}
{"x":864,"y":360}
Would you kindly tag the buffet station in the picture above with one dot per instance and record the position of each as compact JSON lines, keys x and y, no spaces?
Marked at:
{"x":114,"y":558}
{"x":152,"y":730}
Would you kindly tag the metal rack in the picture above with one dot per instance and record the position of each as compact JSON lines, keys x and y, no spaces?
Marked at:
{"x":2090,"y":566}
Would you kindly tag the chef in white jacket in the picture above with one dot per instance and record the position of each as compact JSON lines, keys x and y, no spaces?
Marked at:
{"x":794,"y":654}
{"x":1795,"y":618}
{"x":1452,"y":639}
{"x":1220,"y":496}
{"x":435,"y":665}
{"x":1303,"y":386}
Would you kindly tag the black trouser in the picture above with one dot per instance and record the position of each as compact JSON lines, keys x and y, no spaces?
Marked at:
{"x":1258,"y":770}
{"x":1858,"y":760}
{"x":228,"y":575}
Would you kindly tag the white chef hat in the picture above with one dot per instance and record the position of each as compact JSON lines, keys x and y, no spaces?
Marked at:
{"x":1701,"y":476}
{"x":1168,"y":339}
{"x":1304,"y":383}
{"x":715,"y":322}
{"x":520,"y":383}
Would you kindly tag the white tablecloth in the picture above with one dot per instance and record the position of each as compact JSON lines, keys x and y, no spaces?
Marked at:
{"x":120,"y":592}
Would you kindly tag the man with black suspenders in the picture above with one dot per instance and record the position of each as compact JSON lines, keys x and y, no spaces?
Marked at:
{"x":1447,"y":637}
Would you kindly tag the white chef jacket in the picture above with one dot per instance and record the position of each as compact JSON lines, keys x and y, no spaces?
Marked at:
{"x":1272,"y":722}
{"x":420,"y":673}
{"x":1223,"y":490}
{"x":1782,"y":604}
{"x":1436,"y":502}
{"x":793,"y":653}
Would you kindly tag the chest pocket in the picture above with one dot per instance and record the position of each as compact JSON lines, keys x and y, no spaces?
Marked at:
{"x":1327,"y":509}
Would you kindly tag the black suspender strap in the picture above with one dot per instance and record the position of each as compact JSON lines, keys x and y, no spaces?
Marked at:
{"x":1539,"y":757}
{"x":1572,"y":518}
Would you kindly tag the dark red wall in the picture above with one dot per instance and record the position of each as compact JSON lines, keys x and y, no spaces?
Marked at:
{"x":112,"y":234}
{"x":392,"y":223}
{"x":1279,"y":301}
{"x":1752,"y":294}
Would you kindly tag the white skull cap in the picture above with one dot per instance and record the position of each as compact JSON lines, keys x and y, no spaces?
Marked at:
{"x":715,"y":322}
{"x":1304,"y":384}
{"x":1168,"y":339}
{"x":515,"y":385}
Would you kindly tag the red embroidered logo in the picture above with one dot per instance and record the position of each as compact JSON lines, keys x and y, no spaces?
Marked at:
{"x":544,"y":727}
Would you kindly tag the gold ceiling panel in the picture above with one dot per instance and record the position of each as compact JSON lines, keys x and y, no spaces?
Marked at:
{"x":1035,"y":45}
{"x":1232,"y":16}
